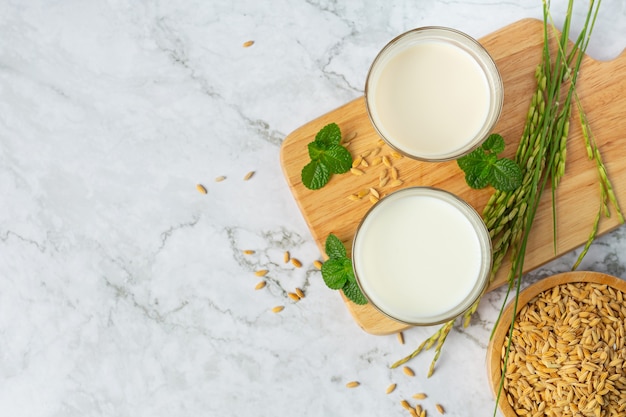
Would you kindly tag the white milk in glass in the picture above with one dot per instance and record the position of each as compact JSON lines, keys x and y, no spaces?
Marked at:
{"x":433,"y":93}
{"x":422,"y":255}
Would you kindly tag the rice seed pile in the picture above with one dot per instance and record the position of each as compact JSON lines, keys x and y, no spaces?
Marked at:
{"x":568,"y":354}
{"x":388,"y":175}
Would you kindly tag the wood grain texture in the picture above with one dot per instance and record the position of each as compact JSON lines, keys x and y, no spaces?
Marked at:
{"x":494,"y":349}
{"x":516,"y":50}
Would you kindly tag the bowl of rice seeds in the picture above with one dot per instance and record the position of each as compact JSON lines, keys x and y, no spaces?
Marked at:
{"x":567,"y":352}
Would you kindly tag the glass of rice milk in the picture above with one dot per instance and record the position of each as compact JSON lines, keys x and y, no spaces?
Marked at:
{"x":433,"y":94}
{"x":422,"y":256}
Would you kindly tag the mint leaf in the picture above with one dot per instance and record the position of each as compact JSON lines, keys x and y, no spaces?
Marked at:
{"x":353,"y":292}
{"x":315,"y":175}
{"x":316,"y":151}
{"x":479,"y":174}
{"x":337,"y":159}
{"x":349,"y":270}
{"x":336,"y":272}
{"x":494,"y":143}
{"x":329,"y":135}
{"x":334,"y":247}
{"x":506,"y":175}
{"x":470,"y":160}
{"x":483,"y":167}
{"x":477,"y":168}
{"x":327,"y":157}
{"x":478,"y":177}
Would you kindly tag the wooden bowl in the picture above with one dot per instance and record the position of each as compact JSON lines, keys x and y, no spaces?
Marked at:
{"x":494,"y":348}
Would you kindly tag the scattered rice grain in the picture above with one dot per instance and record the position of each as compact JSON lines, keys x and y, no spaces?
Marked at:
{"x":400,"y":337}
{"x":248,"y":176}
{"x":391,"y":388}
{"x":408,"y":371}
{"x":317,"y":264}
{"x":293,"y":296}
{"x":260,"y":285}
{"x":295,"y":262}
{"x":362,"y":193}
{"x":220,"y":178}
{"x":201,"y":188}
{"x":261,"y":272}
{"x":352,"y":384}
{"x":356,"y":171}
{"x":248,"y":44}
{"x":278,"y":309}
{"x":439,"y":408}
{"x":300,"y":293}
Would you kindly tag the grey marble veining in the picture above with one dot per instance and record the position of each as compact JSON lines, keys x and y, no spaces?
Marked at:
{"x":123,"y":290}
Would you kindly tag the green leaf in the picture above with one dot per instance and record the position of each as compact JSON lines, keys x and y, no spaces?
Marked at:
{"x":469,"y":161}
{"x":494,"y":143}
{"x":491,"y":159}
{"x":327,"y":157}
{"x":334,"y":247}
{"x":316,"y":151}
{"x":353,"y":292}
{"x":347,"y":264}
{"x":329,"y":135}
{"x":482,"y":166}
{"x":337,"y":159}
{"x":478,"y":177}
{"x":336,"y":272}
{"x":505,"y":175}
{"x":315,"y":175}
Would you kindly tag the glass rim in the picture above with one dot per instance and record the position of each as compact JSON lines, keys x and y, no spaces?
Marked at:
{"x":482,"y":234}
{"x":488,"y":67}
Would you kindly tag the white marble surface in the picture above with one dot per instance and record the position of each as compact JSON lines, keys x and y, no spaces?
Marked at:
{"x":124,"y":291}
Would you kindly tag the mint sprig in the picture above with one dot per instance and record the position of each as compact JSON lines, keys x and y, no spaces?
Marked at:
{"x":327,"y":157}
{"x":337,"y":271}
{"x":483,"y":167}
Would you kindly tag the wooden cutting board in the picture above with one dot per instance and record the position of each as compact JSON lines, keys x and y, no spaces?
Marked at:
{"x":516,"y":50}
